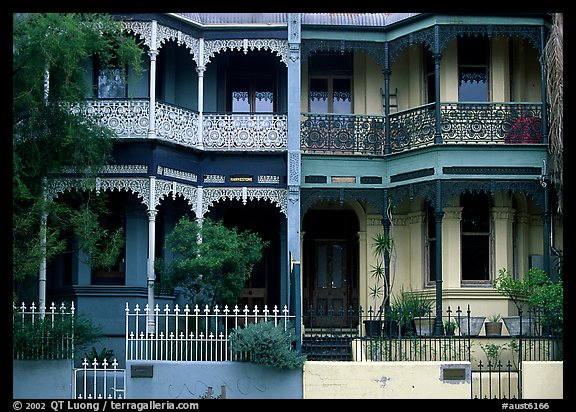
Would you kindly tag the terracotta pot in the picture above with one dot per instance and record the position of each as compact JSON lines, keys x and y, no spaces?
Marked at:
{"x":493,"y":328}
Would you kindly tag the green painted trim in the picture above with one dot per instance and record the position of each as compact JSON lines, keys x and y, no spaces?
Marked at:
{"x":414,"y":161}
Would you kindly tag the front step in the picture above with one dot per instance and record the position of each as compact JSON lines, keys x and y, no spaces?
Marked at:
{"x":327,"y":348}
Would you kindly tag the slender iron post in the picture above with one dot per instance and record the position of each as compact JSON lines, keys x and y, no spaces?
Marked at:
{"x":438,"y":214}
{"x":437,"y":57}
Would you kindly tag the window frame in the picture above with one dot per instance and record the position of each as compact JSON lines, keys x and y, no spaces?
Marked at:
{"x":486,"y":65}
{"x":330,"y":75}
{"x":489,"y":239}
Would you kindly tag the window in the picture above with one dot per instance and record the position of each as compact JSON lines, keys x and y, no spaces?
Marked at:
{"x":330,"y":83}
{"x":475,"y":238}
{"x":473,"y":58}
{"x":251,"y":83}
{"x":110,"y":81}
{"x":114,"y":275}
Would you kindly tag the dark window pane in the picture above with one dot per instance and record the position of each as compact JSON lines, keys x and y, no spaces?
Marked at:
{"x":475,"y":213}
{"x":330,"y":61}
{"x":473,"y":51}
{"x":475,"y":257}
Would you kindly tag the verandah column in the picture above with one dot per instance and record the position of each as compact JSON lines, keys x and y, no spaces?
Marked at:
{"x":438,"y":215}
{"x":150,"y":274}
{"x":293,"y":163}
{"x":200,"y":70}
{"x":437,"y":57}
{"x":387,"y":73}
{"x":152,"y":109}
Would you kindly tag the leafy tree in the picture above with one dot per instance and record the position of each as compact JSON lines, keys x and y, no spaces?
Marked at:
{"x":50,"y":54}
{"x":211,"y":262}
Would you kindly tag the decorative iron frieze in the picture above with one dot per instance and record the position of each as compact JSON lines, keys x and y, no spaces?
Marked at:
{"x":142,"y":29}
{"x":164,"y":188}
{"x":125,"y":169}
{"x":278,"y":46}
{"x":211,"y":195}
{"x":315,"y":179}
{"x":415,"y":174}
{"x":491,"y":170}
{"x":268,"y":179}
{"x":371,"y":180}
{"x":179,"y":174}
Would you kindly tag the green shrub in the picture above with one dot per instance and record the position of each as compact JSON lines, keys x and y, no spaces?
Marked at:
{"x":267,"y":344}
{"x":48,"y":338}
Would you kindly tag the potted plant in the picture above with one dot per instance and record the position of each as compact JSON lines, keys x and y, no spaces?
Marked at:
{"x":530,"y":292}
{"x":414,"y":312}
{"x":493,"y":325}
{"x":470,"y":325}
{"x":450,"y":327}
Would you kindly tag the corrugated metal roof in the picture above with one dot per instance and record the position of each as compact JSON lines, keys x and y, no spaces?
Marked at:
{"x":210,"y":19}
{"x":354,"y":19}
{"x":331,"y":19}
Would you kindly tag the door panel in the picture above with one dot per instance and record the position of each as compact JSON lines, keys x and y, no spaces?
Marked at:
{"x":330,"y":281}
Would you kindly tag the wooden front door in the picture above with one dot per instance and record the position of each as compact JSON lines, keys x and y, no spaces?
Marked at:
{"x":330,"y":286}
{"x":330,"y":269}
{"x":330,"y":289}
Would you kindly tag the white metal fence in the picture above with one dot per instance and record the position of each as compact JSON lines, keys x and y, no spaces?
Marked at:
{"x":191,"y":334}
{"x":41,"y":332}
{"x":99,"y":380}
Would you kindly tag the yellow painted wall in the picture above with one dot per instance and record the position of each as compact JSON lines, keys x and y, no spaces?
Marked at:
{"x":423,"y":380}
{"x":543,"y":380}
{"x":381,"y":380}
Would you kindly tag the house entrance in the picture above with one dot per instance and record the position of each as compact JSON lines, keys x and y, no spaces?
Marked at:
{"x":330,"y":273}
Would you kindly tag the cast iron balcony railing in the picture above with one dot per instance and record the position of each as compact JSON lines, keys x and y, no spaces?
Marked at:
{"x":245,"y":131}
{"x":461,"y":123}
{"x":342,"y":134}
{"x":324,"y":133}
{"x":130,"y":118}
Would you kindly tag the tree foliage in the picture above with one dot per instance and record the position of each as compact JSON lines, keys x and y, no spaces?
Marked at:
{"x":51,"y":52}
{"x":211,"y":262}
{"x":267,"y":344}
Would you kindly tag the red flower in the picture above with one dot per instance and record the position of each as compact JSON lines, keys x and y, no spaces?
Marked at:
{"x":526,"y":129}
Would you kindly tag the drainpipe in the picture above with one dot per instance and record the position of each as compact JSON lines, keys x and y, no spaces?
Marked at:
{"x":546,"y":217}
